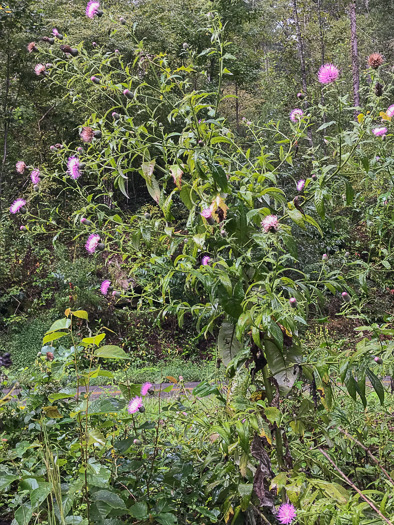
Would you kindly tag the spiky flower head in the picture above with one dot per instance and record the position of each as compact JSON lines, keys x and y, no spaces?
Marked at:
{"x":390,"y":111}
{"x":300,"y":185}
{"x":104,"y":287}
{"x":127,"y":93}
{"x":116,"y":294}
{"x":17,"y":205}
{"x":328,"y":73}
{"x":32,"y":47}
{"x":39,"y":69}
{"x":56,"y":33}
{"x":85,"y":221}
{"x":300,"y":95}
{"x":134,"y":405}
{"x":378,"y":360}
{"x":346,"y":297}
{"x":270,"y":223}
{"x":379,"y":132}
{"x":206,"y":213}
{"x":206,"y":260}
{"x":48,"y":39}
{"x":20,"y":167}
{"x":92,"y":242}
{"x":23,"y":228}
{"x":68,"y":50}
{"x":73,"y":167}
{"x":375,"y":60}
{"x":325,"y":257}
{"x":145,"y":388}
{"x":87,"y":134}
{"x":378,"y":89}
{"x":35,"y":176}
{"x":92,"y":9}
{"x":286,"y":513}
{"x":296,"y":115}
{"x":293,"y":302}
{"x":95,"y":80}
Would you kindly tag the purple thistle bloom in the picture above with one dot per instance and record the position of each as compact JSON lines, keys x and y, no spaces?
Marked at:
{"x":379,"y":132}
{"x":328,"y":73}
{"x":39,"y":69}
{"x":23,"y":228}
{"x":206,"y":260}
{"x":378,"y":360}
{"x":92,"y":8}
{"x":390,"y":111}
{"x":55,"y":32}
{"x":20,"y":167}
{"x":95,"y":80}
{"x":104,"y":287}
{"x":145,"y":388}
{"x":73,"y":167}
{"x":346,"y":297}
{"x":134,"y":405}
{"x":17,"y":205}
{"x":300,"y":185}
{"x":35,"y":176}
{"x":293,"y":302}
{"x":296,"y":115}
{"x":127,"y":93}
{"x":325,"y":257}
{"x":270,"y":223}
{"x":207,"y":213}
{"x":286,"y":513}
{"x":92,"y":242}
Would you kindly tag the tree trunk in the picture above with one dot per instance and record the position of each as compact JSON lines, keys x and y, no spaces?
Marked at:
{"x":355,"y":64}
{"x":5,"y":126}
{"x":237,"y":107}
{"x":301,"y":53}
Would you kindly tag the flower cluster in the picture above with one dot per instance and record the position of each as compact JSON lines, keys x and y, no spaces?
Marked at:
{"x":92,"y":242}
{"x":73,"y":167}
{"x":270,"y":223}
{"x":328,"y":73}
{"x":296,"y":115}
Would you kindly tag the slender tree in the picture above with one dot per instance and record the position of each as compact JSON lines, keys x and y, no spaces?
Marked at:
{"x":354,"y":54}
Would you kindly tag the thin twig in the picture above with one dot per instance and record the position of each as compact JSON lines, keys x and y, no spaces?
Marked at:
{"x":369,"y":453}
{"x":354,"y":487}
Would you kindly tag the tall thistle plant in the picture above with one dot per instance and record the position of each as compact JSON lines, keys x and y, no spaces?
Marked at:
{"x":221,"y":243}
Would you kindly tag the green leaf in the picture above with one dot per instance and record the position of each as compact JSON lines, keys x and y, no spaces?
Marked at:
{"x":319,"y":204}
{"x":6,"y":480}
{"x":37,"y":496}
{"x":228,"y":345}
{"x":81,"y":314}
{"x":53,"y":336}
{"x":23,"y":515}
{"x":297,"y":217}
{"x":139,"y":511}
{"x":165,"y":518}
{"x":111,"y":352}
{"x":376,"y":384}
{"x":62,"y":394}
{"x":312,"y":221}
{"x":326,"y":125}
{"x":96,"y":340}
{"x":60,"y":324}
{"x":273,"y":415}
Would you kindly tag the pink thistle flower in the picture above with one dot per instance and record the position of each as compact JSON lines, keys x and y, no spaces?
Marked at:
{"x":73,"y":167}
{"x":300,"y":185}
{"x":296,"y":115}
{"x":23,"y":228}
{"x":346,"y":297}
{"x":145,"y":388}
{"x":378,"y":360}
{"x":300,"y":95}
{"x":55,"y":32}
{"x":86,"y":221}
{"x":35,"y":176}
{"x":87,"y":134}
{"x":116,"y":51}
{"x":390,"y":111}
{"x":17,"y":205}
{"x":286,"y":513}
{"x":328,"y":73}
{"x":32,"y":47}
{"x":115,"y":293}
{"x":95,"y":80}
{"x":270,"y":223}
{"x":92,"y":9}
{"x":92,"y":242}
{"x":379,"y":132}
{"x":127,"y":93}
{"x":104,"y":287}
{"x":94,"y":44}
{"x":325,"y":257}
{"x":20,"y":167}
{"x":207,"y":213}
{"x":205,"y":260}
{"x":293,"y":302}
{"x":39,"y":69}
{"x":134,"y":405}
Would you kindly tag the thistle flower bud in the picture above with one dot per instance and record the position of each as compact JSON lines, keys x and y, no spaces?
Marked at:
{"x":101,"y":246}
{"x":32,"y":47}
{"x":122,"y":20}
{"x":50,"y":356}
{"x":80,"y":150}
{"x":346,"y":297}
{"x":94,"y":44}
{"x":147,"y":215}
{"x":95,"y":80}
{"x":141,"y":409}
{"x":293,"y":302}
{"x":301,"y":96}
{"x":97,"y":134}
{"x":49,"y":65}
{"x":23,"y":228}
{"x":137,"y":442}
{"x":347,"y":254}
{"x":86,"y":221}
{"x":314,"y":176}
{"x":127,"y":93}
{"x":378,"y":360}
{"x":151,"y":391}
{"x":115,"y":115}
{"x":47,"y":39}
{"x":185,"y":45}
{"x":68,"y":50}
{"x":117,"y":51}
{"x":378,"y":89}
{"x":116,"y":294}
{"x":325,"y":257}
{"x":53,"y":148}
